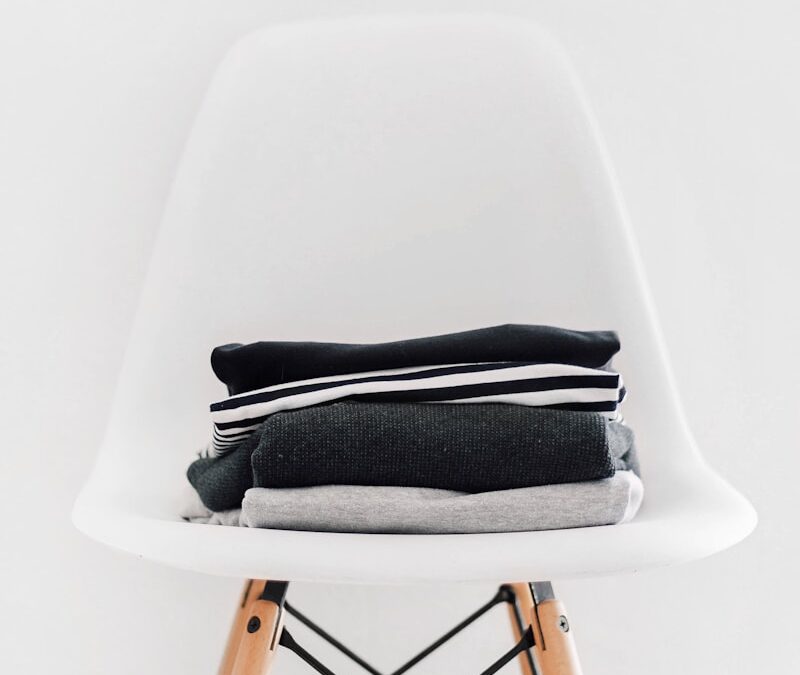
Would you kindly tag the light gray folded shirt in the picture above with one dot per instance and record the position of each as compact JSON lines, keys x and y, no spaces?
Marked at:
{"x":404,"y":510}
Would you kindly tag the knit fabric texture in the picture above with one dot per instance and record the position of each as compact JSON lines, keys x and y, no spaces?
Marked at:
{"x":479,"y":448}
{"x":262,"y":364}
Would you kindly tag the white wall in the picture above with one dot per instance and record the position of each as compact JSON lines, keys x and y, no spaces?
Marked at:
{"x":699,"y":103}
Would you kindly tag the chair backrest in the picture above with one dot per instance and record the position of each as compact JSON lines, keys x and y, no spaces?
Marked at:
{"x":375,"y":179}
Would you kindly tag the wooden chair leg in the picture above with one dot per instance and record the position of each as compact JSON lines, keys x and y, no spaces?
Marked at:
{"x":252,"y":589}
{"x":554,"y":647}
{"x":255,"y":632}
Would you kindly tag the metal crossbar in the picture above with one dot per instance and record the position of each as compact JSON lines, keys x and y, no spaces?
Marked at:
{"x":524,"y":645}
{"x":288,"y":641}
{"x":302,"y":618}
{"x":504,"y":594}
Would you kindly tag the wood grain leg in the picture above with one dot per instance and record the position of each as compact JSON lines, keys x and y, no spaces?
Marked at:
{"x":255,"y":632}
{"x":252,"y":589}
{"x":554,"y":647}
{"x":259,"y":642}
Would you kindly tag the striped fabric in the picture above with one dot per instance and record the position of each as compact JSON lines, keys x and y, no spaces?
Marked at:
{"x":550,"y":385}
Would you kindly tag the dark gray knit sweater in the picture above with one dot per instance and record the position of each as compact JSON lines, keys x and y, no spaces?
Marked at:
{"x":469,"y":448}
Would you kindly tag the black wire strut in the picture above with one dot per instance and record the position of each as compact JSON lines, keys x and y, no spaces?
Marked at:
{"x":288,"y":641}
{"x":302,"y":618}
{"x":504,"y":594}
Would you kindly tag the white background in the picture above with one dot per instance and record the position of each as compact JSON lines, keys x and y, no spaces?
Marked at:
{"x":699,"y":104}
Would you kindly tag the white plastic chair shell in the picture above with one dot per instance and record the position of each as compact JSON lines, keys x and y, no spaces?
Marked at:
{"x":374,"y":179}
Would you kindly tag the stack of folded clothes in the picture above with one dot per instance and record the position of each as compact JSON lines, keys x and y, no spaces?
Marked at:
{"x":501,"y":429}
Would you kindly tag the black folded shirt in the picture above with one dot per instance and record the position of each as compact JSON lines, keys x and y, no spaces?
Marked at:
{"x":262,"y":364}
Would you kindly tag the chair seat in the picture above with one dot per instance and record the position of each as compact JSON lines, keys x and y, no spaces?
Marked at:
{"x":683,"y":518}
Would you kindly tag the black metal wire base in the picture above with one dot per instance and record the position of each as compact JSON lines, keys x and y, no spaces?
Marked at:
{"x":504,"y":594}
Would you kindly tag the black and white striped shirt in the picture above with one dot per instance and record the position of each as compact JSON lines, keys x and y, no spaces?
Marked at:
{"x":551,"y":385}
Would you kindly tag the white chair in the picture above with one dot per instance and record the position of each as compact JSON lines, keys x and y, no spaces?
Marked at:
{"x":374,"y":179}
